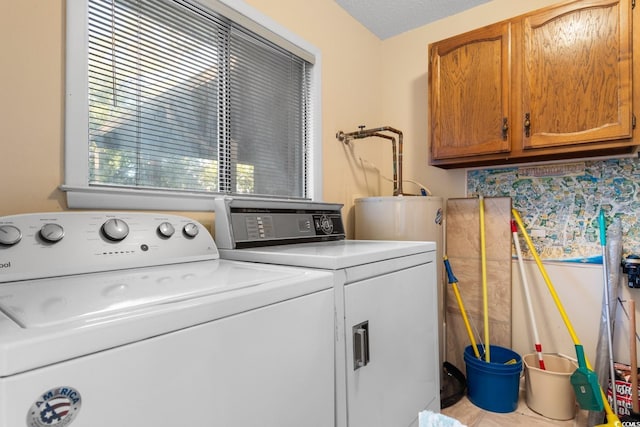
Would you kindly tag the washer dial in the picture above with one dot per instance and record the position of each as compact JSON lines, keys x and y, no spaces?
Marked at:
{"x":9,"y":235}
{"x":52,"y":232}
{"x":190,"y":229}
{"x":166,"y":229}
{"x":115,"y":229}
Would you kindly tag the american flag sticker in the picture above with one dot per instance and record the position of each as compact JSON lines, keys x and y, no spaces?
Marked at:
{"x":56,"y":407}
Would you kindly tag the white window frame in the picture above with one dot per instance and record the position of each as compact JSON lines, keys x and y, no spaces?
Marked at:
{"x":76,"y":181}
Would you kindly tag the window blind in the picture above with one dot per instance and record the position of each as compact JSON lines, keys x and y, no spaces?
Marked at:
{"x":182,"y":98}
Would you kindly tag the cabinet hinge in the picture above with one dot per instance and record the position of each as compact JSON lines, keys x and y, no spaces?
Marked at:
{"x":633,"y":121}
{"x":633,"y":4}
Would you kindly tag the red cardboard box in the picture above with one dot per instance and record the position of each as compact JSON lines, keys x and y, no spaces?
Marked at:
{"x":623,"y":389}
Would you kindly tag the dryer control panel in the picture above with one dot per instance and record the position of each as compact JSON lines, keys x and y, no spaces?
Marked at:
{"x":242,"y":223}
{"x":41,"y":245}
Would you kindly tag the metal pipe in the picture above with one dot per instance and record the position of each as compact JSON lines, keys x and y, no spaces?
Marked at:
{"x":396,"y":185}
{"x":397,"y":158}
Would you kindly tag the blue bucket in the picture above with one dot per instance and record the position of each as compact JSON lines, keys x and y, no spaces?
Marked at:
{"x":493,"y":386}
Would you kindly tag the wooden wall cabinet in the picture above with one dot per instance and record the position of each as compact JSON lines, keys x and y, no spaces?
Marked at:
{"x":552,"y":84}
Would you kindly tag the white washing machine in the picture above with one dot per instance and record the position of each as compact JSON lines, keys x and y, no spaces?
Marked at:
{"x":387,"y":364}
{"x":131,"y":320}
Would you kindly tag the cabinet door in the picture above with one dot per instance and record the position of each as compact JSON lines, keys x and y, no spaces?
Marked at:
{"x":469,"y":81}
{"x":576,"y":85}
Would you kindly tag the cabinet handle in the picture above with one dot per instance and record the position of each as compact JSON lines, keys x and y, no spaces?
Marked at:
{"x":527,"y":125}
{"x":505,"y":128}
{"x":360,"y":345}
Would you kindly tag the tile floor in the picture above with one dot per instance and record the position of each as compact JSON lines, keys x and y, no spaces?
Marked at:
{"x":472,"y":416}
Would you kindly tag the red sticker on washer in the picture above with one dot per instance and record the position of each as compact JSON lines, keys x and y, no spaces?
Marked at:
{"x":55,"y":407}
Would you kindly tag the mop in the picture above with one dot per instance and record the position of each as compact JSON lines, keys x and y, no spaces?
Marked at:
{"x":607,"y":311}
{"x":602,"y":365}
{"x":525,"y":286}
{"x":588,"y":392}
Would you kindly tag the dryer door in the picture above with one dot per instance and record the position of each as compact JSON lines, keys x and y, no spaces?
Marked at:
{"x":392,"y":347}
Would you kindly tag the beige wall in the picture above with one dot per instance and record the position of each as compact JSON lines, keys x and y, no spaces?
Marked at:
{"x":31,"y":105}
{"x":365,"y":81}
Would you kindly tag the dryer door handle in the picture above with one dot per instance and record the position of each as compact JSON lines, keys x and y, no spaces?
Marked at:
{"x":360,"y":345}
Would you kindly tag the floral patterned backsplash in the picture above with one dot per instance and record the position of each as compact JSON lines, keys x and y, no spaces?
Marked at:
{"x":560,"y":203}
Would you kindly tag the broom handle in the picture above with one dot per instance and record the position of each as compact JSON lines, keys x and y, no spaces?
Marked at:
{"x":454,"y":284}
{"x":546,"y":278}
{"x":554,"y":295}
{"x":485,"y":298}
{"x":525,"y":286}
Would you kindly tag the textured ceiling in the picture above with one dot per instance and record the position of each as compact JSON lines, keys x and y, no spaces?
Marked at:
{"x":388,"y":18}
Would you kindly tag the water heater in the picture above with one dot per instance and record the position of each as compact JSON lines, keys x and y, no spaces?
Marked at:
{"x":399,"y":218}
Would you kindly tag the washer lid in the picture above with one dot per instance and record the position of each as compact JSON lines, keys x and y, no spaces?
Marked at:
{"x":90,"y":298}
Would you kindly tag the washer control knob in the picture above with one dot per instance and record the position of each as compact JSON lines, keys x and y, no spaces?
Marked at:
{"x":115,"y":229}
{"x":166,"y":229}
{"x":52,"y":232}
{"x":190,"y":230}
{"x":9,"y":235}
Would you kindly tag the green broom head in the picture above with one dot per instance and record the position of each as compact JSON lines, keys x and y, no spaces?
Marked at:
{"x":585,"y":385}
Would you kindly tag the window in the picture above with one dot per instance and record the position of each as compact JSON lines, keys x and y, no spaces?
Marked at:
{"x":172,"y":101}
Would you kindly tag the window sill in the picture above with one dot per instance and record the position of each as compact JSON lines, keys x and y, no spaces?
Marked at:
{"x":123,"y":198}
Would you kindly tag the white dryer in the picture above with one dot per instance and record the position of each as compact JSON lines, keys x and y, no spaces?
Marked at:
{"x":386,"y":296}
{"x":131,"y":320}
